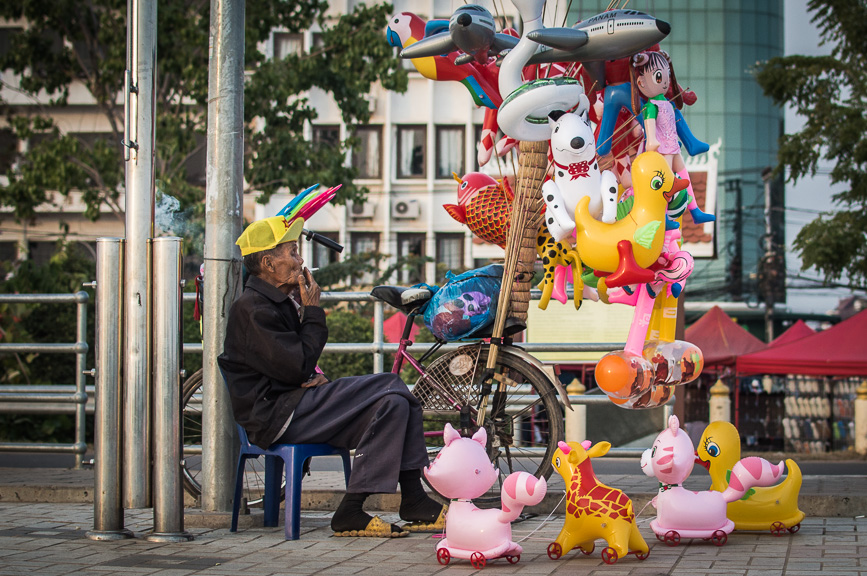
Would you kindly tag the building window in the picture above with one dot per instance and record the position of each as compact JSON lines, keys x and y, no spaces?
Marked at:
{"x":321,"y":255}
{"x":40,"y":253}
{"x":410,"y":247}
{"x":317,"y":41}
{"x":450,"y":151}
{"x":364,"y":243}
{"x":6,"y":35}
{"x":8,"y":150}
{"x":450,"y":252}
{"x":286,"y":44}
{"x":327,"y":136}
{"x":477,"y":138}
{"x":367,"y":156}
{"x":8,"y":253}
{"x":411,"y":151}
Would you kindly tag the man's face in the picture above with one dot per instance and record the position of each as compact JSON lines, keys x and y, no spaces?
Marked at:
{"x":287,"y":263}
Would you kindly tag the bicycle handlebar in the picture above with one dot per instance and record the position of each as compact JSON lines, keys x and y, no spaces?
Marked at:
{"x":324,"y":240}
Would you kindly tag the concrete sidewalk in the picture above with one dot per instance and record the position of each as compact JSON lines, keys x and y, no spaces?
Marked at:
{"x":824,"y":496}
{"x":45,"y":513}
{"x":49,"y":539}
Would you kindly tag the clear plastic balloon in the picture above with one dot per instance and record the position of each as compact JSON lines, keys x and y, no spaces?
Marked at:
{"x":623,"y":375}
{"x":674,"y":363}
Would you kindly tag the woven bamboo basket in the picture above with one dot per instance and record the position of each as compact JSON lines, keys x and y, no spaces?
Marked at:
{"x":527,"y":215}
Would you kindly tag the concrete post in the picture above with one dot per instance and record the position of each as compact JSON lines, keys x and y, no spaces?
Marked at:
{"x":861,"y":418}
{"x":576,"y":419}
{"x":720,"y":403}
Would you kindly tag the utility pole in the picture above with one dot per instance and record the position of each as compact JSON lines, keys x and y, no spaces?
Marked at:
{"x":736,"y":266}
{"x":772,"y":268}
{"x":224,"y":212}
{"x":139,"y":137}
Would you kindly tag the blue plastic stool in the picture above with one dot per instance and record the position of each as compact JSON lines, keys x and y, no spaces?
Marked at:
{"x":293,"y":455}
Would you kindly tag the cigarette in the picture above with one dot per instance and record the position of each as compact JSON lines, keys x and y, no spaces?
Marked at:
{"x":313,"y":269}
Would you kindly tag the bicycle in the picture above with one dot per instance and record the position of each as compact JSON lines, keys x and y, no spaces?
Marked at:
{"x":522,"y":415}
{"x":516,"y":403}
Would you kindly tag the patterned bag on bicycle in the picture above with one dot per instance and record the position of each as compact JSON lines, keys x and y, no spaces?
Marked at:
{"x":465,"y":304}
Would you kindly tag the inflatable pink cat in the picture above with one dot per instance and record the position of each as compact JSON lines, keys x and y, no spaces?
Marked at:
{"x":684,"y":513}
{"x":461,"y":472}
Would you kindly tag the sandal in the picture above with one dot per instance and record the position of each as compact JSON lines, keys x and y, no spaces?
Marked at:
{"x":376,"y":528}
{"x":436,"y":527}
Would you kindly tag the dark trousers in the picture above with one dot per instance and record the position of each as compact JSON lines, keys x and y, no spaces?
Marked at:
{"x":376,"y":415}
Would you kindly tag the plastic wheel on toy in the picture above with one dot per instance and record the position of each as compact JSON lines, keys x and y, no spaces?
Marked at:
{"x":478,"y":560}
{"x":642,"y":555}
{"x":443,"y":556}
{"x":795,"y":528}
{"x":672,"y":538}
{"x":719,"y":538}
{"x":588,"y":551}
{"x":778,"y":528}
{"x":513,"y":559}
{"x":554,"y":551}
{"x":609,"y":555}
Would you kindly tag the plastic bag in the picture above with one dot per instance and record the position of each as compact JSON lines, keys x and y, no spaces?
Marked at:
{"x":465,"y":304}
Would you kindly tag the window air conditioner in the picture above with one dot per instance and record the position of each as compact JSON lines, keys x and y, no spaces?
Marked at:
{"x":408,"y":209}
{"x":361,"y":209}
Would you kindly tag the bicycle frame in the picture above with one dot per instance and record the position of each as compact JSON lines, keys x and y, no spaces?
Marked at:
{"x":403,"y":356}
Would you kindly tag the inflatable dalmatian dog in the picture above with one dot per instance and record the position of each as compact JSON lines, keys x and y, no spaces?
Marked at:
{"x":576,"y":173}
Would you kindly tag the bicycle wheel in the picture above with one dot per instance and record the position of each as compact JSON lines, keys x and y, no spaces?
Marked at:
{"x":522,"y":437}
{"x":191,"y":469}
{"x":191,"y":408}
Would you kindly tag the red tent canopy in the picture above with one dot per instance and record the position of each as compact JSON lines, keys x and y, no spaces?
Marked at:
{"x":720,"y":339}
{"x":838,"y":351}
{"x":392,"y":328}
{"x":796,"y":331}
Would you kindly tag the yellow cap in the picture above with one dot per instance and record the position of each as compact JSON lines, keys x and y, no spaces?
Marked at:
{"x":268,"y":233}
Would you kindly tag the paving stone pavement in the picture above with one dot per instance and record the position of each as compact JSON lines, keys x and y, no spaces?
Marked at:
{"x":49,"y":539}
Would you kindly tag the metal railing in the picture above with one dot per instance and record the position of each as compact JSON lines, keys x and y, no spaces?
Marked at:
{"x":52,"y":396}
{"x":65,"y":399}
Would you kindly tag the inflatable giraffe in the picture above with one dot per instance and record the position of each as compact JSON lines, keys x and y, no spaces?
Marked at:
{"x":594,"y":510}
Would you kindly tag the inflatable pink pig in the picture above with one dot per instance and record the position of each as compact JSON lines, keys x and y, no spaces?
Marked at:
{"x":682,"y":512}
{"x":461,"y":472}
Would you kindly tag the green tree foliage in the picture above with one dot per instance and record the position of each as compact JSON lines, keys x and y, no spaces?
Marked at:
{"x":72,"y":43}
{"x":830,"y":92}
{"x":347,"y":326}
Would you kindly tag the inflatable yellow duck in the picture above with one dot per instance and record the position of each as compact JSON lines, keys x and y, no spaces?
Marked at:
{"x":774,"y":508}
{"x":627,"y":247}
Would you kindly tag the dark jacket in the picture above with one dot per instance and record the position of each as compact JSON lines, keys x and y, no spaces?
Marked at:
{"x":268,"y":353}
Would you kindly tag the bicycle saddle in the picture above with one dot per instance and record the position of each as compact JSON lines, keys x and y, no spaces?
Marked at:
{"x":407,"y":300}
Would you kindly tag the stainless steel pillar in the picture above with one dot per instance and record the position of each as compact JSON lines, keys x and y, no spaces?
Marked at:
{"x":168,"y":434}
{"x":139,"y":140}
{"x":107,"y":505}
{"x":224,"y":214}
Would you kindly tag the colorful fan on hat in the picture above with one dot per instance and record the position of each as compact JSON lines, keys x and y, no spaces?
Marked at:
{"x":308,"y":202}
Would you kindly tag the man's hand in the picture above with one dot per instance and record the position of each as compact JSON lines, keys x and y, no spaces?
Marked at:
{"x":317,"y":380}
{"x":310,"y":291}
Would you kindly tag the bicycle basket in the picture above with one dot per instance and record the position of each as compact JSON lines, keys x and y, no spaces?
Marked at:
{"x":465,"y":304}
